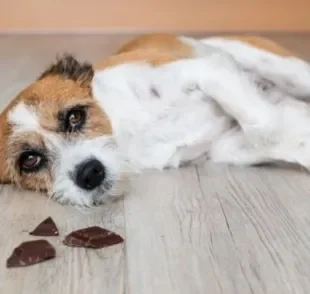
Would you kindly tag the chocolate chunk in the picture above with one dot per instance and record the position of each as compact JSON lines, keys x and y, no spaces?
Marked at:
{"x":92,"y":237}
{"x":46,"y":228}
{"x":29,"y":253}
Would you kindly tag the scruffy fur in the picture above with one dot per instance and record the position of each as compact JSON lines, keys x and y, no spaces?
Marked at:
{"x":68,"y":67}
{"x":160,"y":101}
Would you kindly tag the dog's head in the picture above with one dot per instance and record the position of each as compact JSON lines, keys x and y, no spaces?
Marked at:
{"x":56,"y":138}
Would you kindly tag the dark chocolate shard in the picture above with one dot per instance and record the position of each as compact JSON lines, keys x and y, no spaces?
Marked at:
{"x":46,"y":228}
{"x":29,"y":253}
{"x":92,"y":237}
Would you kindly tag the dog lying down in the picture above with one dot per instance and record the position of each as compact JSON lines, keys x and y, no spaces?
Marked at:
{"x":79,"y":131}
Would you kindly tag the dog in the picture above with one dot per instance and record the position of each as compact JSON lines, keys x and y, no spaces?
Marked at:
{"x":160,"y":101}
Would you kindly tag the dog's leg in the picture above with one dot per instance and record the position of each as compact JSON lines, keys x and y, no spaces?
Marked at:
{"x":291,"y":74}
{"x":220,"y":78}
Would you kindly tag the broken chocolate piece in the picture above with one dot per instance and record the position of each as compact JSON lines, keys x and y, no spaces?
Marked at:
{"x":29,"y":253}
{"x":46,"y":228}
{"x":92,"y":237}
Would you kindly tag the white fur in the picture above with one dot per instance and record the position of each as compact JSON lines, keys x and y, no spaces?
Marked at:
{"x":151,"y":130}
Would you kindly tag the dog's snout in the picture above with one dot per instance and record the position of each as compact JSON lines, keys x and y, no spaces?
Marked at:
{"x":90,"y":174}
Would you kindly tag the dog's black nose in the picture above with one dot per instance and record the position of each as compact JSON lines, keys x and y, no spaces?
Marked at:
{"x":90,"y":174}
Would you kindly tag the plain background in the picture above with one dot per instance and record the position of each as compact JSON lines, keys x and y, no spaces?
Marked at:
{"x":189,"y":15}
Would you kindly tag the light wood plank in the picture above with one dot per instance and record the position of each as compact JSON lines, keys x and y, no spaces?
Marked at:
{"x":219,"y":229}
{"x":263,"y":214}
{"x":167,"y":236}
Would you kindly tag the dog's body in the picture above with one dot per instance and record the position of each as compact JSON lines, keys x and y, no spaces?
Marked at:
{"x":160,"y":101}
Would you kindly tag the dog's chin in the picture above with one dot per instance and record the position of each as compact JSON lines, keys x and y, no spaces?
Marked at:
{"x":108,"y":192}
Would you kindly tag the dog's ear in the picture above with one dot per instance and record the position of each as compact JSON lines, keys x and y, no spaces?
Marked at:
{"x":4,"y":171}
{"x":68,"y":67}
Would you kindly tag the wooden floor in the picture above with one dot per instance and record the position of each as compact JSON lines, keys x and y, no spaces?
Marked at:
{"x":199,"y":230}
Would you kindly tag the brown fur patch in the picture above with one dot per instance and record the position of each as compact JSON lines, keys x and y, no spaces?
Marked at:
{"x":5,"y":131}
{"x":160,"y":42}
{"x":53,"y":93}
{"x":264,"y":44}
{"x":156,"y":49}
{"x":152,"y":57}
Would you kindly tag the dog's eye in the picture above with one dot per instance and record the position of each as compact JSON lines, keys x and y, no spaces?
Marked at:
{"x":31,"y":161}
{"x":74,"y":120}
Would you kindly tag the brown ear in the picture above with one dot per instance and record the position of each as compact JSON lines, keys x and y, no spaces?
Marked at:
{"x":4,"y":170}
